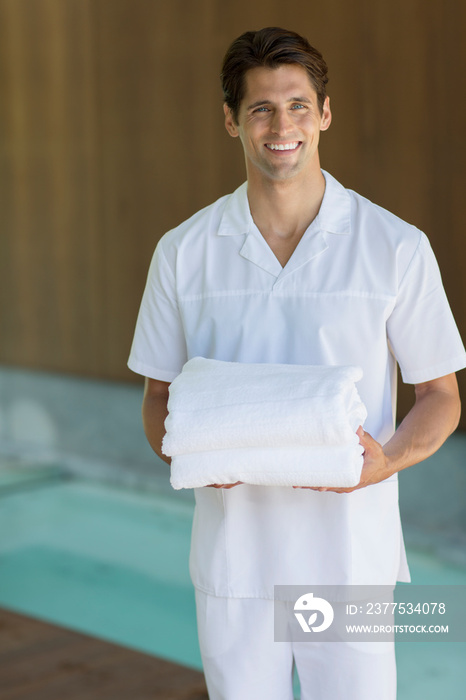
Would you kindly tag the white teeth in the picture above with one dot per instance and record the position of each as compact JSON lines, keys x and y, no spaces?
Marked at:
{"x":283,"y":146}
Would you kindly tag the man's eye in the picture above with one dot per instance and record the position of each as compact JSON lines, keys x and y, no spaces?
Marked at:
{"x":262,"y":109}
{"x":298,"y":106}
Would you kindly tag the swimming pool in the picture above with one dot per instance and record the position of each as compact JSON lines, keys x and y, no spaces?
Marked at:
{"x":114,"y":563}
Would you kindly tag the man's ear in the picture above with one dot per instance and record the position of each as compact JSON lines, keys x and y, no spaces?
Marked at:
{"x":326,"y":115}
{"x":230,"y":123}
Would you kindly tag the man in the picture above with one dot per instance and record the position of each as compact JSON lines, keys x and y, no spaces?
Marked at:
{"x":293,"y":268}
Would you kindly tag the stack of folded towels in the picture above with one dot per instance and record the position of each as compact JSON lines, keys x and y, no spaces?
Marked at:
{"x":266,"y":424}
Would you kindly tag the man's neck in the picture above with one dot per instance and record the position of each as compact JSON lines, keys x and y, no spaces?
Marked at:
{"x":284,"y":210}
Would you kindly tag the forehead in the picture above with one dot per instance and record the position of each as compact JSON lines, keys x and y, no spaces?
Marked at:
{"x":272,"y":84}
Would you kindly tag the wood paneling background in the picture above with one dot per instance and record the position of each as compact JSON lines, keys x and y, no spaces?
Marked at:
{"x":112,"y":133}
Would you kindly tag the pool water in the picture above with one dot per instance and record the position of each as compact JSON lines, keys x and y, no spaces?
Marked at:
{"x":114,"y":563}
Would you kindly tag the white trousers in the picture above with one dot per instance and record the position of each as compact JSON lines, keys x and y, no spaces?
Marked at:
{"x":242,"y":661}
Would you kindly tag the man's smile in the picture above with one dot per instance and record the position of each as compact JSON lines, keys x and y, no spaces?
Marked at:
{"x":291,"y":146}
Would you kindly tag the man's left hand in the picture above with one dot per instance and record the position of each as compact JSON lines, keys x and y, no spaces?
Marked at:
{"x":375,"y":468}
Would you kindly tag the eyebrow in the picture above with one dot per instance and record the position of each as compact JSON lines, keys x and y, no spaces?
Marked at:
{"x":261,"y":103}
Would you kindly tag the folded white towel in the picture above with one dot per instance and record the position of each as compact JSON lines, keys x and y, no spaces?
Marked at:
{"x":264,"y":424}
{"x":207,"y":383}
{"x":315,"y":421}
{"x":339,"y":467}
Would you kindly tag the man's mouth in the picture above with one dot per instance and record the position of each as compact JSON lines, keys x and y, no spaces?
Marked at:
{"x":291,"y":146}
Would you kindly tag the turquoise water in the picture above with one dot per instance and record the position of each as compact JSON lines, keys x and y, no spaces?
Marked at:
{"x":114,"y":564}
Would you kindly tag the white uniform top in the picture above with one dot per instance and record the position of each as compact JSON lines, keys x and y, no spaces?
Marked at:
{"x":361,"y":288}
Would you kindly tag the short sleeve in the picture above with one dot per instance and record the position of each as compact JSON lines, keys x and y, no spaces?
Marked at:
{"x":421,"y":328}
{"x":159,"y":348}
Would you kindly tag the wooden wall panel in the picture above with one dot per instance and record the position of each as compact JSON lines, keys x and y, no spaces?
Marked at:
{"x":49,"y":278}
{"x":112,"y":132}
{"x":156,"y":144}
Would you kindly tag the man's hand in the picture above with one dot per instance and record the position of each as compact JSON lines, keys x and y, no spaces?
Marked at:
{"x":375,"y":467}
{"x":425,"y":428}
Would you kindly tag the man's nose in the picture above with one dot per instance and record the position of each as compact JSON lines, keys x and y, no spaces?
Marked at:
{"x":281,"y":123}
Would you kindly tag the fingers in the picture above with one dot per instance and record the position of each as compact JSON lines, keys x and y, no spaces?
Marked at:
{"x":311,"y":488}
{"x":329,"y":489}
{"x":364,"y":437}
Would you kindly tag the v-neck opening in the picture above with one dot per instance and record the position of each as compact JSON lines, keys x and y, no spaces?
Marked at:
{"x":258,"y":251}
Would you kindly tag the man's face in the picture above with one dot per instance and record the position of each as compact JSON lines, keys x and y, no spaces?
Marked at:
{"x":279,"y":123}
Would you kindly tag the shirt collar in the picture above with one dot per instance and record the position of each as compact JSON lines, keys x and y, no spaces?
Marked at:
{"x":236,"y":218}
{"x":334,"y":214}
{"x":335,"y":210}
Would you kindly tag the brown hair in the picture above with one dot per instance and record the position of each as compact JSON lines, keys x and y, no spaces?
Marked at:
{"x":269,"y":48}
